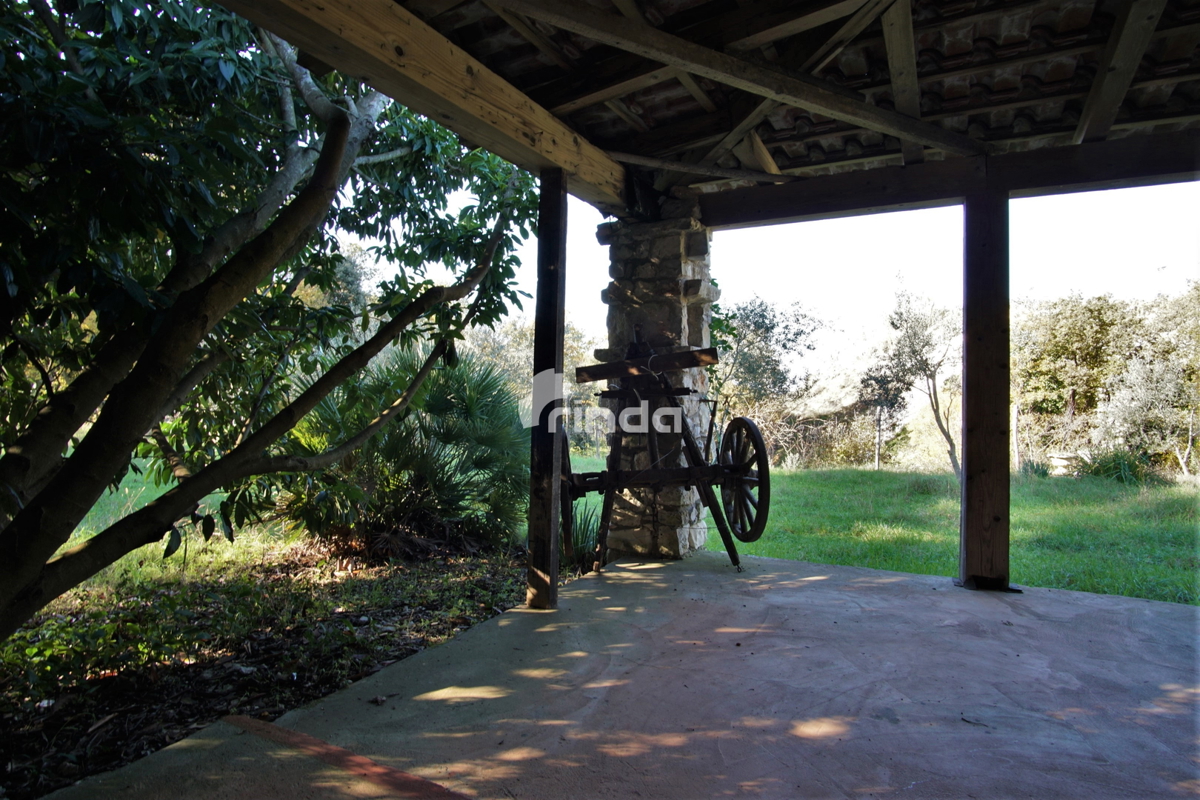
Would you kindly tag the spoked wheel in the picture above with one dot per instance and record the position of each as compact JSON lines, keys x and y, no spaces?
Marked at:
{"x":566,"y":504}
{"x":746,"y":488}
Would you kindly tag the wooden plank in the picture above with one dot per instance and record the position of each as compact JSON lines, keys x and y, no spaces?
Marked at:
{"x":545,"y":483}
{"x":1131,"y":161}
{"x":382,"y":43}
{"x":666,"y":362}
{"x":902,"y":69}
{"x":713,"y":172}
{"x":1136,"y":21}
{"x":935,"y":183}
{"x":984,"y":525}
{"x":762,"y":154}
{"x":738,"y":73}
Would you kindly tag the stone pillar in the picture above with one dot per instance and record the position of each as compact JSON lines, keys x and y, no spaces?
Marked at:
{"x":660,"y":281}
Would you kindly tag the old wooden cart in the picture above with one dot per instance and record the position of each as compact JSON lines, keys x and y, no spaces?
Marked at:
{"x":741,"y":470}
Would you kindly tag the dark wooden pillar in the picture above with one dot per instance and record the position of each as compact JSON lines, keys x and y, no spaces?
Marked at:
{"x":545,"y":463}
{"x":984,"y":527}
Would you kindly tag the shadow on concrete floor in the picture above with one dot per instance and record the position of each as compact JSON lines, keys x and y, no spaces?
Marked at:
{"x":687,"y":680}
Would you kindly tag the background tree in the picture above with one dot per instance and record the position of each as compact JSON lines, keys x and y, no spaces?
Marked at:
{"x":1067,"y":349}
{"x":170,"y":178}
{"x":759,"y":340}
{"x":1151,"y":410}
{"x":884,"y":390}
{"x":758,"y":343}
{"x":926,"y":347}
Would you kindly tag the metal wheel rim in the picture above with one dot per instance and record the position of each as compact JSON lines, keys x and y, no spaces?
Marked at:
{"x":745,"y":497}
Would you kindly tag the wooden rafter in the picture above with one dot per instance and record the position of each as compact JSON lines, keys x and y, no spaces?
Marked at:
{"x":902,"y":68}
{"x":633,"y":11}
{"x":697,"y":92}
{"x":387,"y":46}
{"x":740,"y":74}
{"x":552,"y":51}
{"x":810,"y":19}
{"x":1134,"y":27}
{"x":642,"y":80}
{"x":750,"y":25}
{"x":861,"y":18}
{"x":833,"y":47}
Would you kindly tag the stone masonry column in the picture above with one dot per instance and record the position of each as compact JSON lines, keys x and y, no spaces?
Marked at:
{"x":660,"y":281}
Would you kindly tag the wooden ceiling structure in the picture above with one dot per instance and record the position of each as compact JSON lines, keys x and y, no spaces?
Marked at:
{"x":797,"y":109}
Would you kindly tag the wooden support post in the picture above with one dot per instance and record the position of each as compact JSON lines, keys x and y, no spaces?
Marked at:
{"x":984,"y":527}
{"x":545,"y":463}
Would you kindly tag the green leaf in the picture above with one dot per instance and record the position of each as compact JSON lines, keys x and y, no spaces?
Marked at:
{"x":207,"y":526}
{"x":173,"y":543}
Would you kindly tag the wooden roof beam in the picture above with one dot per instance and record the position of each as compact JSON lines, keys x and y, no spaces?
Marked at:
{"x":1130,"y":161}
{"x":738,"y":73}
{"x":862,"y":17}
{"x":390,"y":48}
{"x":902,"y":68}
{"x":1136,"y":21}
{"x":740,"y":30}
{"x":633,"y":11}
{"x":552,"y":51}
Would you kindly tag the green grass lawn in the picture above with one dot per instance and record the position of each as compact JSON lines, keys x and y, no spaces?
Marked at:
{"x":1088,"y":534}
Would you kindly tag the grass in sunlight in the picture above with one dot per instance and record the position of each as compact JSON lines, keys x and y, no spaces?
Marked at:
{"x":1086,"y":534}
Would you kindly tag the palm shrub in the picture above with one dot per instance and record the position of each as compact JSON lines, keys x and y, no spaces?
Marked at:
{"x":1122,"y":464}
{"x":456,"y":467}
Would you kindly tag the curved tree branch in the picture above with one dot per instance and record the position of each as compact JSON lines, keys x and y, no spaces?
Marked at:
{"x":45,"y":523}
{"x":379,"y":158}
{"x":310,"y":93}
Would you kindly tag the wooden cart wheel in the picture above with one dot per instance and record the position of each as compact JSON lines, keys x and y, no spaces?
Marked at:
{"x":566,"y":504}
{"x":746,"y":488}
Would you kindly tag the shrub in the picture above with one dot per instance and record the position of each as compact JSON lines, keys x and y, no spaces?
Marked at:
{"x":585,"y":527}
{"x":1035,"y":469}
{"x":457,"y":466}
{"x":1121,"y":465}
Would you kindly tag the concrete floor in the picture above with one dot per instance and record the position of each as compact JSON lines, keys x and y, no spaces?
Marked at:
{"x":790,"y":680}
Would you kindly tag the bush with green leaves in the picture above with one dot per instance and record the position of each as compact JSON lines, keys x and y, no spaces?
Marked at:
{"x":1121,"y":464}
{"x":457,"y":465}
{"x":176,"y":188}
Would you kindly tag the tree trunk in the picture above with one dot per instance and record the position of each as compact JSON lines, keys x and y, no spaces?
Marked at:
{"x":1016,"y":439}
{"x":936,"y":404}
{"x":878,"y":434}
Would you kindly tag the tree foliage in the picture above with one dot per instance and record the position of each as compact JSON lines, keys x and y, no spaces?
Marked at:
{"x":1097,"y":375}
{"x":170,"y":178}
{"x":922,"y":354}
{"x":1068,"y":349}
{"x":884,"y":389}
{"x":757,"y":340}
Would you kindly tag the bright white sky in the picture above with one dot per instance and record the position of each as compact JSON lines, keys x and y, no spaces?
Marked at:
{"x":1132,"y":243}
